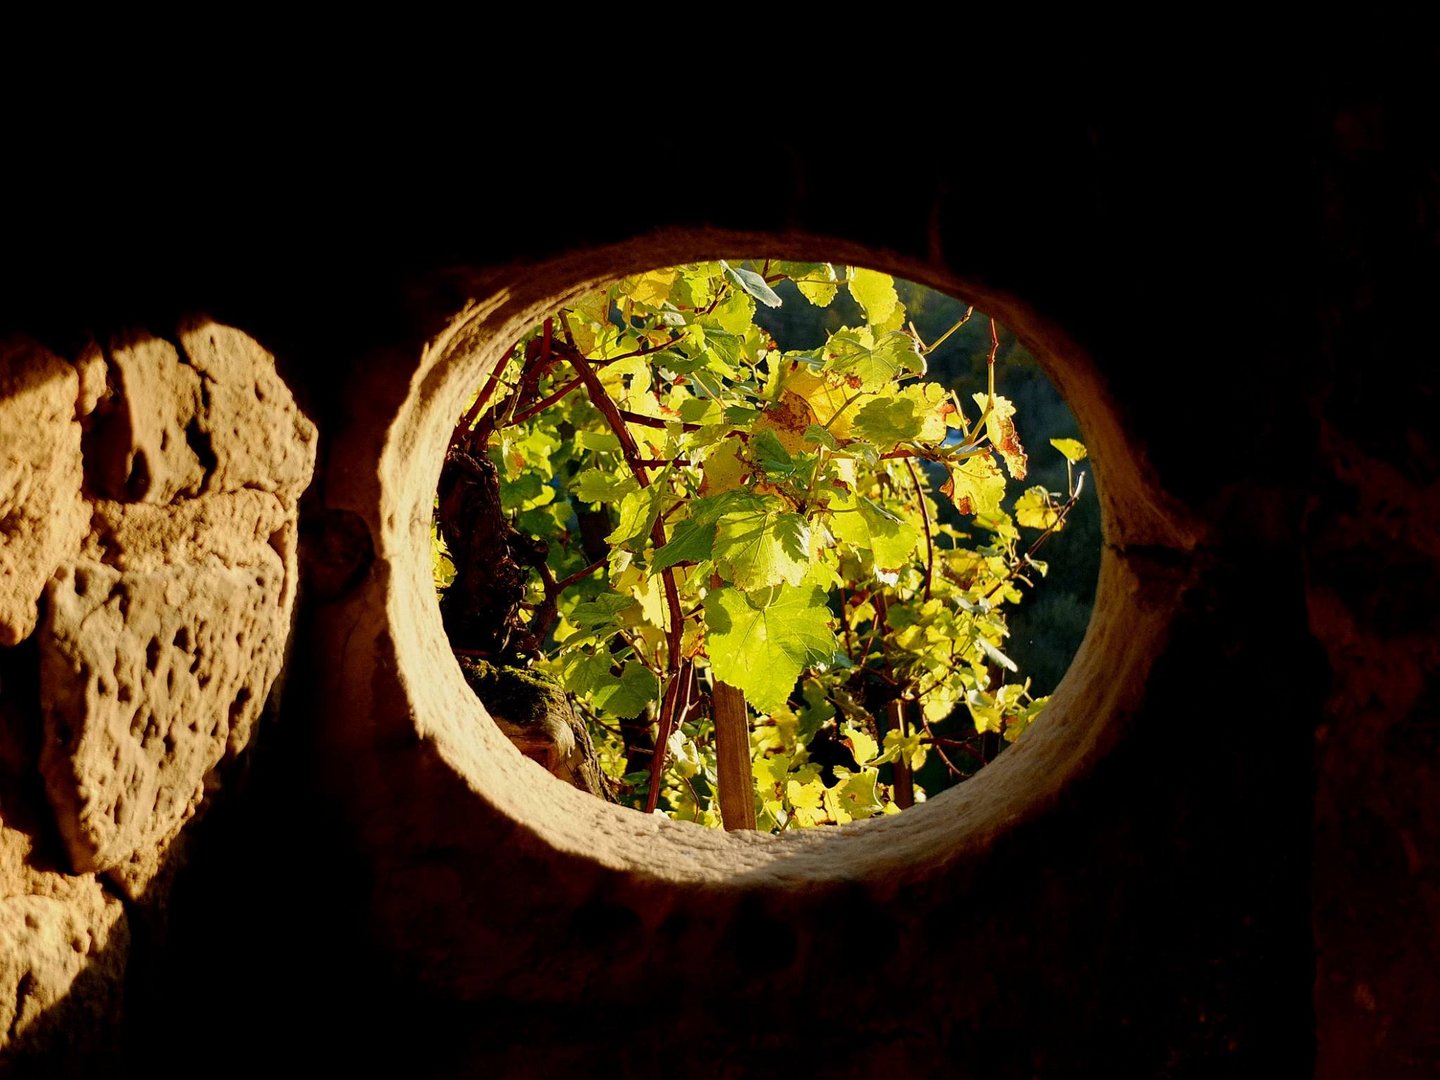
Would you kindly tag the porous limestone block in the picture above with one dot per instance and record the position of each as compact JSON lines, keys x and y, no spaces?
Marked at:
{"x":148,"y":444}
{"x":46,"y":942}
{"x":209,"y":416}
{"x":258,"y":436}
{"x":42,"y":516}
{"x":149,"y":677}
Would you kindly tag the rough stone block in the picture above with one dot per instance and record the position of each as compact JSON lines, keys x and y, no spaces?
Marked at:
{"x":214,"y":417}
{"x":257,"y":435}
{"x":148,"y":443}
{"x":46,"y":942}
{"x":148,"y":677}
{"x":42,"y":516}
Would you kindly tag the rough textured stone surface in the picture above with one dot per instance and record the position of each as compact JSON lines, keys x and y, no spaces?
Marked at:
{"x":256,"y":435}
{"x":64,"y":940}
{"x":148,"y":676}
{"x":41,"y":514}
{"x":146,"y":444}
{"x":164,"y":636}
{"x":213,"y":417}
{"x":46,"y":942}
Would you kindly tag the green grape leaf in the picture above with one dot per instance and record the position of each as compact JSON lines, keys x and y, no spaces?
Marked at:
{"x":638,"y":511}
{"x":761,"y":642}
{"x":821,"y":437}
{"x":589,"y":673}
{"x":600,"y":613}
{"x":875,"y":292}
{"x":741,"y":415}
{"x":914,"y":415}
{"x":735,"y":314}
{"x":625,"y":697}
{"x":598,"y":486}
{"x":691,"y":541}
{"x":597,"y":440}
{"x":1073,"y":449}
{"x":758,"y":548}
{"x":771,"y":455}
{"x":703,"y":411}
{"x":753,"y":284}
{"x":869,"y":365}
{"x":868,"y":527}
{"x":525,"y":492}
{"x":887,"y":421}
{"x":817,"y":284}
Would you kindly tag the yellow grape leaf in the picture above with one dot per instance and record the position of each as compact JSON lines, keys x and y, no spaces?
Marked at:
{"x":875,"y":292}
{"x":807,"y":799}
{"x":818,"y":292}
{"x":724,"y":471}
{"x":907,"y":747}
{"x":976,"y":485}
{"x":856,"y":797}
{"x":861,"y":744}
{"x":869,"y":527}
{"x":1073,"y":449}
{"x":788,"y":419}
{"x":770,"y":771}
{"x":652,"y":289}
{"x":1034,"y":510}
{"x":983,"y":711}
{"x":1000,"y":426}
{"x":825,"y":400}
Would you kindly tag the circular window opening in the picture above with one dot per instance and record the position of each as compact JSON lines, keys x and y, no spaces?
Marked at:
{"x":765,"y":544}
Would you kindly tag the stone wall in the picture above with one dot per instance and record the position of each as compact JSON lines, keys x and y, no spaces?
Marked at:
{"x":1215,"y":853}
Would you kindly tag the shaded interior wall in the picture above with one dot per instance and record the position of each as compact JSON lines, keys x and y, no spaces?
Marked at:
{"x":1251,"y":863}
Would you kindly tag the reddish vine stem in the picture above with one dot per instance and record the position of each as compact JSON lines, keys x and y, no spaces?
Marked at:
{"x":907,"y":452}
{"x":545,"y":402}
{"x":614,"y":416}
{"x":547,"y":612}
{"x":652,"y":421}
{"x":935,"y":742}
{"x":669,"y":710}
{"x":580,"y":575}
{"x":481,"y":400}
{"x":925,"y":520}
{"x":631,"y":452}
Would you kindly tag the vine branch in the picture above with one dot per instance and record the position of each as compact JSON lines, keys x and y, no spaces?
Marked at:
{"x":673,"y":663}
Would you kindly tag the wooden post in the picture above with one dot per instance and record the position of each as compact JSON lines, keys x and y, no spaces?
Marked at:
{"x":904,"y":778}
{"x":732,"y":755}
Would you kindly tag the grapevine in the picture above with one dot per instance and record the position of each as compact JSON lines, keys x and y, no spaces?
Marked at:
{"x":731,"y":555}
